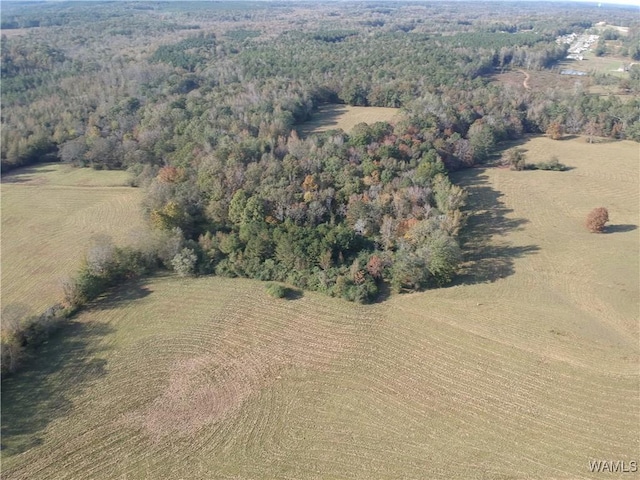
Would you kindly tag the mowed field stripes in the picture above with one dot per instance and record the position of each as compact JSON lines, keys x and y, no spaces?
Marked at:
{"x":526,"y":367}
{"x":50,"y":214}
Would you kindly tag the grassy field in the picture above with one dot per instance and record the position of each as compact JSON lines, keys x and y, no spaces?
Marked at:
{"x":49,"y":215}
{"x":330,"y":117}
{"x":526,"y":368}
{"x":606,"y":64}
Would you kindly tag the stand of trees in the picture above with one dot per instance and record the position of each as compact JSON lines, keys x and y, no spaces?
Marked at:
{"x":201,"y":101}
{"x":206,"y":121}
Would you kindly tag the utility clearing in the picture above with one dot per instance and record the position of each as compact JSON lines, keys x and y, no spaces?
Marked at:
{"x":526,"y":368}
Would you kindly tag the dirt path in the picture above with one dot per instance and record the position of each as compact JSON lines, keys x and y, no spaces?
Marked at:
{"x":525,"y":83}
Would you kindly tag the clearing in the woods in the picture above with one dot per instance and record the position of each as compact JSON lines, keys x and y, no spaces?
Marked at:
{"x":345,"y":117}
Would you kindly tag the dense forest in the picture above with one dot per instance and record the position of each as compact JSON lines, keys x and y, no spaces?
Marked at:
{"x":201,"y":103}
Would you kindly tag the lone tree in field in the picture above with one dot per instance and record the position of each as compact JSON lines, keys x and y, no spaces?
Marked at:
{"x":555,"y":130}
{"x":596,"y":219}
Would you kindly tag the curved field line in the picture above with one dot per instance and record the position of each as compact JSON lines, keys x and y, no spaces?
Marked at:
{"x":525,"y":376}
{"x":47,"y":228}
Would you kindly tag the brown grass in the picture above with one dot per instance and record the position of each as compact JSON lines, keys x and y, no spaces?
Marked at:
{"x":543,"y":80}
{"x":345,"y":117}
{"x":526,"y":368}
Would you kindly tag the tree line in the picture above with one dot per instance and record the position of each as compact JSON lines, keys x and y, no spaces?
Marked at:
{"x":206,"y":120}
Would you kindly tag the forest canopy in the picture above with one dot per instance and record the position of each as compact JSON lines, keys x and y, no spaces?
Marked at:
{"x":202,"y":103}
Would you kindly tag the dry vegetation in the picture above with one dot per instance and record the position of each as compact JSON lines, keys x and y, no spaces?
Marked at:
{"x":49,"y":215}
{"x":345,"y":117}
{"x":527,"y":368}
{"x":542,"y":80}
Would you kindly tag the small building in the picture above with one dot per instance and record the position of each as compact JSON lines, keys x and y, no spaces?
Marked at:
{"x":569,"y":71}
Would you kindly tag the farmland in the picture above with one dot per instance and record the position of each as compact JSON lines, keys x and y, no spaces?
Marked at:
{"x":50,"y":213}
{"x":525,"y":367}
{"x":327,"y":268}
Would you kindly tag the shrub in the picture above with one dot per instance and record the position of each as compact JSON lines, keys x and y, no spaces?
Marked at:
{"x":552,"y":164}
{"x":515,"y":159}
{"x":597,"y":219}
{"x":20,"y":335}
{"x":276,"y":290}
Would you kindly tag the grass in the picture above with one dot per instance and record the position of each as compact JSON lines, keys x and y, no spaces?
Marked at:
{"x":606,"y":64}
{"x":345,"y":117}
{"x":49,"y":215}
{"x":62,"y":175}
{"x":526,"y":368}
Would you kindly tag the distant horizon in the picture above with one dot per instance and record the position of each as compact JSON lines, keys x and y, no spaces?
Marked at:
{"x":595,"y":2}
{"x":622,"y":3}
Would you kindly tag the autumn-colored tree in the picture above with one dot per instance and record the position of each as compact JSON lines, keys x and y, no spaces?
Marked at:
{"x":167,"y":217}
{"x":309,"y":184}
{"x":597,"y":219}
{"x":555,"y":130}
{"x":169,"y":174}
{"x":375,"y":266}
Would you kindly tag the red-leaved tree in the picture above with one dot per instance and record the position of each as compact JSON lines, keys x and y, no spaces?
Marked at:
{"x":597,"y":219}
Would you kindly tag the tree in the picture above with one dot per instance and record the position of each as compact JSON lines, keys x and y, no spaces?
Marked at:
{"x":601,"y":48}
{"x":555,"y":130}
{"x":593,"y":129}
{"x":481,"y":139}
{"x":184,"y":263}
{"x":375,"y":266}
{"x":73,"y":152}
{"x":237,"y":206}
{"x":597,"y":219}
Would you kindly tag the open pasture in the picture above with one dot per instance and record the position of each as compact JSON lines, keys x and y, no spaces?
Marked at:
{"x":526,"y":368}
{"x":609,"y":64}
{"x":49,"y":215}
{"x":345,"y":117}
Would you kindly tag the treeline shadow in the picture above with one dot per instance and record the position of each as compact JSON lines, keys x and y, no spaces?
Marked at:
{"x":25,"y":174}
{"x":121,"y":295}
{"x":41,"y":391}
{"x":486,"y":258}
{"x":327,"y":116}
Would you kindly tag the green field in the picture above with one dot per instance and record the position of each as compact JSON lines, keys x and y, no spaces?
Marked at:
{"x":345,"y":117}
{"x":50,"y":213}
{"x":526,"y":368}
